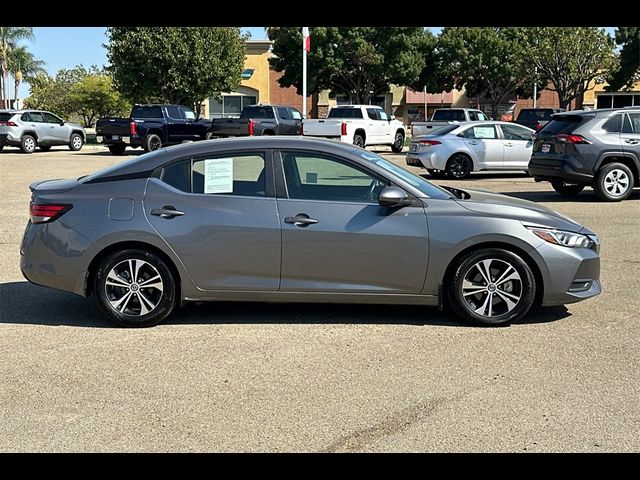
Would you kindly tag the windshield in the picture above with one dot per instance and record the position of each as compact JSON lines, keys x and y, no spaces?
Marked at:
{"x":429,"y":189}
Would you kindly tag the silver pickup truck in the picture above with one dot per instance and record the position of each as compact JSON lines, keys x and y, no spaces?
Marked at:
{"x":445,"y":116}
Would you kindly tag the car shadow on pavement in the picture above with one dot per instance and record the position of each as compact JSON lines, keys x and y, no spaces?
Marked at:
{"x":27,"y":304}
{"x":587,"y":196}
{"x":477,"y":177}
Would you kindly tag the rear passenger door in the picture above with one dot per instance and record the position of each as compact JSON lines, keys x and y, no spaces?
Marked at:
{"x":518,"y":143}
{"x":630,"y":135}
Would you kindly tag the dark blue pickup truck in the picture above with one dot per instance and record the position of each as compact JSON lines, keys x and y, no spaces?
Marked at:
{"x":151,"y":127}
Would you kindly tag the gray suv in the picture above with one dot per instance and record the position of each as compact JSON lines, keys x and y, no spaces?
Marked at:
{"x":600,"y":148}
{"x":28,"y":129}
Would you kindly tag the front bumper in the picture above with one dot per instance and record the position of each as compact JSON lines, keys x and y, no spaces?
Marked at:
{"x":554,"y":170}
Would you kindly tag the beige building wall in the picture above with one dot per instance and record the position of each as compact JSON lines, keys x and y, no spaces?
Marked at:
{"x":590,"y":96}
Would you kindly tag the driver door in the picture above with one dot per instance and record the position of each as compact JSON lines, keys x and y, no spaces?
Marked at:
{"x":57,"y":134}
{"x":335,"y":236}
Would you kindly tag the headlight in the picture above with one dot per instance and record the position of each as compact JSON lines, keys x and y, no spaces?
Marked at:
{"x":560,"y":237}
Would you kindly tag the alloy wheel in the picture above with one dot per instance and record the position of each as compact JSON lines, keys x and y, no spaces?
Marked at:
{"x":492,"y":287}
{"x":134,"y":287}
{"x":616,"y":182}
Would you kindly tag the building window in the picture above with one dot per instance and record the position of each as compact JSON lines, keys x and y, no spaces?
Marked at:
{"x":231,"y":105}
{"x":618,"y":100}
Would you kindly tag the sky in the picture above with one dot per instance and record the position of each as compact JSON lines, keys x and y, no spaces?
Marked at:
{"x":66,"y":47}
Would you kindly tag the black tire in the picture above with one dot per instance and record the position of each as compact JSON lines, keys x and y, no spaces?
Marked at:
{"x":132,"y":315}
{"x":76,"y":142}
{"x":465,"y":306}
{"x":44,"y":148}
{"x":208,"y":136}
{"x":567,"y":189}
{"x":398,"y":142}
{"x":1,"y":147}
{"x":28,"y":144}
{"x":152,"y":142}
{"x":436,"y":173}
{"x":117,"y":148}
{"x":358,"y":140}
{"x":614,"y":182}
{"x":459,"y":166}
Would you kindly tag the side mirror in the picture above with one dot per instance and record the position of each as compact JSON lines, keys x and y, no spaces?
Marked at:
{"x":62,"y":123}
{"x":393,"y":197}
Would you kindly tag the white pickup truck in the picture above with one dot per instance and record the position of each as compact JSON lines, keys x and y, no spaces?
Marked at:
{"x":446,"y":116}
{"x":361,"y":125}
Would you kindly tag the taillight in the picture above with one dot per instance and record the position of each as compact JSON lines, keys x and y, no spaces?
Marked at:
{"x":429,"y":142}
{"x":252,"y":127}
{"x":538,"y":126}
{"x":343,"y":129}
{"x":571,"y":138}
{"x":47,"y":212}
{"x":8,"y":123}
{"x":133,"y":128}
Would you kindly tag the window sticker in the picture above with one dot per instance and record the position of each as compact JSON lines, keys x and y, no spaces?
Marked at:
{"x":484,"y":132}
{"x":218,"y":175}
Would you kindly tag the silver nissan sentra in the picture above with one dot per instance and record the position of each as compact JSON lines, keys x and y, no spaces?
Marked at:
{"x":286,"y":219}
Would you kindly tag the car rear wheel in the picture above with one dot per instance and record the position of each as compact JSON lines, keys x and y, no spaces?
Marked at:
{"x":118,"y":148}
{"x":459,"y":166}
{"x":1,"y":147}
{"x":614,"y":182}
{"x":152,"y":142}
{"x":75,"y":142}
{"x":491,"y":286}
{"x":358,"y":140}
{"x":28,"y":144}
{"x":135,"y":288}
{"x":45,"y":148}
{"x":567,"y":189}
{"x":398,"y":142}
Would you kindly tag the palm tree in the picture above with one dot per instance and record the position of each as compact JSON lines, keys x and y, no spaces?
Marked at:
{"x":8,"y":38}
{"x":23,"y":66}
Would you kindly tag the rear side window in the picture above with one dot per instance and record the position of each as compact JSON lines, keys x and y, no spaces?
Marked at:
{"x":562,"y":124}
{"x":449,"y":115}
{"x":535,"y":115}
{"x":613,"y":125}
{"x":173,"y":112}
{"x":147,"y":112}
{"x":257,"y":112}
{"x":345,"y":113}
{"x":177,"y":175}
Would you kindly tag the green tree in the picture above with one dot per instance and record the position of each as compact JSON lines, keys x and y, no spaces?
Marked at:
{"x":487,"y":61}
{"x":629,"y":71}
{"x":570,"y":57}
{"x":87,"y":94}
{"x":361,"y":62}
{"x":23,"y":66}
{"x":9,"y":36}
{"x":181,"y":65}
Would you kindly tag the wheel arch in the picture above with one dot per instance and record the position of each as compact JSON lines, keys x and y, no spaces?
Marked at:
{"x":79,"y":132}
{"x":29,"y":132}
{"x":528,"y":259}
{"x":624,"y":158}
{"x":362,"y":133}
{"x":155,"y":131}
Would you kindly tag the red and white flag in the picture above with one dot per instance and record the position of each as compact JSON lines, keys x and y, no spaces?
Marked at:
{"x":306,"y":38}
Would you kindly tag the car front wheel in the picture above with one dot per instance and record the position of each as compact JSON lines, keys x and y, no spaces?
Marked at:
{"x":135,"y":288}
{"x":75,"y":142}
{"x":491,"y":287}
{"x":398,"y":143}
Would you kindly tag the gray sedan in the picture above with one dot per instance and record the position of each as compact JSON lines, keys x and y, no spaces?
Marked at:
{"x":28,"y":129}
{"x":289,"y":219}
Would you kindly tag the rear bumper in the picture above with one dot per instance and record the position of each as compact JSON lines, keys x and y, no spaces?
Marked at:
{"x":107,"y":140}
{"x":430,"y":160}
{"x":554,"y":170}
{"x":6,"y":139}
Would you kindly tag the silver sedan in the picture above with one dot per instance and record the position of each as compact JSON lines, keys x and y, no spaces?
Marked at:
{"x":285,"y":219}
{"x":457,"y":150}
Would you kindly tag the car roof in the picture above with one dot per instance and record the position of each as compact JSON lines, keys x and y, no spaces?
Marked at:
{"x":356,"y":106}
{"x":601,"y":111}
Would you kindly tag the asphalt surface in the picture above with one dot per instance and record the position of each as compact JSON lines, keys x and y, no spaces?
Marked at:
{"x":265,"y":377}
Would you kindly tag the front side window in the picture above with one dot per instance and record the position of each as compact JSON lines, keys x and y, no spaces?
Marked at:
{"x":310,"y":176}
{"x":283,"y":112}
{"x":50,"y":118}
{"x":635,"y":121}
{"x":233,"y":174}
{"x":512,"y":132}
{"x":383,"y":115}
{"x":295,"y":114}
{"x":187,"y":114}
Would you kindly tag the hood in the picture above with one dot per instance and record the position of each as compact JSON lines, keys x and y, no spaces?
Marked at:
{"x":518,"y":209}
{"x":75,"y":125}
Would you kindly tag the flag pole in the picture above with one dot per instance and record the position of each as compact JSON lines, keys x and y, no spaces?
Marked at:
{"x":305,"y":34}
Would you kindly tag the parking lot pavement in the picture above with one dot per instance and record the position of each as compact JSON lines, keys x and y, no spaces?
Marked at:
{"x":266,"y":377}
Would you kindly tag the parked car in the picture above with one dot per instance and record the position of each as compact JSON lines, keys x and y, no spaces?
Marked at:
{"x":536,"y":118}
{"x":459,"y":149}
{"x":151,"y":127}
{"x":360,"y":125}
{"x":297,"y":220}
{"x":600,"y":148}
{"x":28,"y":129}
{"x":443,"y":117}
{"x":256,"y":120}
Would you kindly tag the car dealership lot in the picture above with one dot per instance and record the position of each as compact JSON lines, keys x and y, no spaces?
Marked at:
{"x":267,"y":377}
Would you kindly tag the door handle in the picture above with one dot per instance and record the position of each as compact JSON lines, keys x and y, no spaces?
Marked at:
{"x":473,"y":143}
{"x":508,"y":144}
{"x":167,"y":212}
{"x":631,"y":141}
{"x":301,"y":220}
{"x":52,"y":126}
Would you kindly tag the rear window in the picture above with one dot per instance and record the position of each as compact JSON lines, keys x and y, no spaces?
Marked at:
{"x":562,"y":124}
{"x":257,"y":112}
{"x":147,"y":112}
{"x":5,"y":116}
{"x":535,"y":115}
{"x":345,"y":113}
{"x":449,"y":115}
